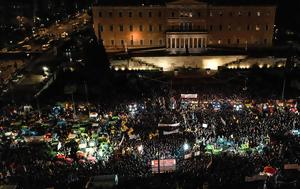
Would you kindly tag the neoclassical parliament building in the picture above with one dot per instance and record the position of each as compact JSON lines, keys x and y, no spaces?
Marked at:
{"x":183,"y":25}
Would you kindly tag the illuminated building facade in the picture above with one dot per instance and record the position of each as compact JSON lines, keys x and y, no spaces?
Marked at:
{"x":183,"y":26}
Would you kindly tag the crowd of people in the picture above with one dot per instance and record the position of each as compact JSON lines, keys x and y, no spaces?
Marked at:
{"x":213,"y":139}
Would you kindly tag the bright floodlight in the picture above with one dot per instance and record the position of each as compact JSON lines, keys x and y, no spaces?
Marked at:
{"x":140,"y":148}
{"x":186,"y":146}
{"x":45,"y":68}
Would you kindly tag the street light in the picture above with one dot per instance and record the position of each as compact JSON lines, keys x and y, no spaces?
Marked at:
{"x":186,"y":146}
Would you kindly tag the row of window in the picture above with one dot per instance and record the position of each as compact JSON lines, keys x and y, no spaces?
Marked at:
{"x":239,"y":13}
{"x":183,"y":14}
{"x":186,"y":27}
{"x":186,"y":43}
{"x":130,"y":28}
{"x":257,"y":27}
{"x":141,"y":42}
{"x":130,"y":14}
{"x":237,"y":41}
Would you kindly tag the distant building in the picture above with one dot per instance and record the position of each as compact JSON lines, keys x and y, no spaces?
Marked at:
{"x":183,"y":25}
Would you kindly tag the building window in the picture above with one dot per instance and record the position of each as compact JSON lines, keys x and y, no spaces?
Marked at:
{"x":210,"y":13}
{"x":159,"y":14}
{"x":248,"y":27}
{"x":100,"y":14}
{"x":120,"y":14}
{"x":122,"y":42}
{"x":240,"y":13}
{"x":220,"y":27}
{"x":173,"y":14}
{"x":267,"y":27}
{"x":199,"y":14}
{"x":230,"y":13}
{"x":191,"y":42}
{"x":131,"y":42}
{"x":130,"y":28}
{"x":130,"y":14}
{"x":249,"y":13}
{"x":220,"y":13}
{"x":111,"y":28}
{"x":239,"y":28}
{"x":160,"y":42}
{"x":211,"y":27}
{"x":195,"y":43}
{"x":141,"y":42}
{"x":160,"y":27}
{"x":257,"y":27}
{"x":110,"y":14}
{"x":229,"y":27}
{"x":150,"y":14}
{"x":140,"y":14}
{"x":121,"y":28}
{"x":141,"y":27}
{"x":219,"y":41}
{"x":237,"y":41}
{"x":150,"y":28}
{"x":258,"y":13}
{"x":100,"y":28}
{"x":112,"y":42}
{"x":150,"y":41}
{"x":228,"y":41}
{"x":265,"y":41}
{"x":182,"y":43}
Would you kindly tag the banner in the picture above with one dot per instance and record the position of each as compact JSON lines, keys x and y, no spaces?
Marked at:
{"x":292,"y":166}
{"x":187,"y":156}
{"x":168,"y":125}
{"x":197,"y":153}
{"x":131,"y":137}
{"x":170,"y":132}
{"x":189,"y":95}
{"x":255,"y":178}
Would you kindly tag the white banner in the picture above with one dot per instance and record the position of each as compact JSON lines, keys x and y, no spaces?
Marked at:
{"x":187,"y":156}
{"x":134,"y":137}
{"x":189,"y":95}
{"x":170,"y":132}
{"x":168,"y":125}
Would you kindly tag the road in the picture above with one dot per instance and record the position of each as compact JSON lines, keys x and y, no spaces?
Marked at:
{"x":34,"y":75}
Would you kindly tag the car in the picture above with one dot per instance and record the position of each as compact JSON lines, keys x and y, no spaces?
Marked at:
{"x":45,"y":47}
{"x":26,"y":47}
{"x":64,"y":35}
{"x":20,"y":76}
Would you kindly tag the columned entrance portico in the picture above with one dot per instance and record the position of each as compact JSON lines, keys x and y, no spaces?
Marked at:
{"x":181,"y":42}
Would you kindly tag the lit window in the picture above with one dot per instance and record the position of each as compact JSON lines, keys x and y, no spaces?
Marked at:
{"x":210,"y":13}
{"x":257,"y":28}
{"x":258,"y":13}
{"x":229,"y":27}
{"x":219,"y":41}
{"x":240,"y":13}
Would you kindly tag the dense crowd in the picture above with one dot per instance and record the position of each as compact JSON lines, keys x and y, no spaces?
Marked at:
{"x":213,"y":138}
